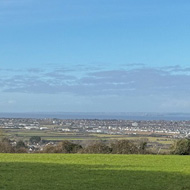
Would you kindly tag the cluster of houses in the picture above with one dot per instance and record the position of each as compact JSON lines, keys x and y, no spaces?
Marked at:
{"x":174,"y":128}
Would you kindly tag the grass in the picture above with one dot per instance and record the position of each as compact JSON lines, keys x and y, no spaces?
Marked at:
{"x":94,"y":172}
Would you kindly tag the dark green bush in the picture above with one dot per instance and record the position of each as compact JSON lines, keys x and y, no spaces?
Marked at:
{"x":181,"y":147}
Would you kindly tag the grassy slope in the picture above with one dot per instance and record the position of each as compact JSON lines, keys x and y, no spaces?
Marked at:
{"x":101,"y":172}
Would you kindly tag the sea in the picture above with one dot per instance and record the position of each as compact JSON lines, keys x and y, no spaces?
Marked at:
{"x":101,"y":116}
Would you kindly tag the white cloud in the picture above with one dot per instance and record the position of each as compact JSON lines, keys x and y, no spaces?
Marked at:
{"x":126,"y":82}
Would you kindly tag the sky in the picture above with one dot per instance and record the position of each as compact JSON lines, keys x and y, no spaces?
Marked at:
{"x":94,"y":56}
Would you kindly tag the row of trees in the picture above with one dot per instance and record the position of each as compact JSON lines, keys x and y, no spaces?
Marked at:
{"x":99,"y":147}
{"x":180,"y":147}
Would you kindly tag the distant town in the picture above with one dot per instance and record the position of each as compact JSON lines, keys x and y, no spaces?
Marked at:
{"x":176,"y":129}
{"x":159,"y":134}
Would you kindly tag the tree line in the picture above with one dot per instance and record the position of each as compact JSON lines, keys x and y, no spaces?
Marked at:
{"x":65,"y":146}
{"x":180,"y":147}
{"x":98,"y":147}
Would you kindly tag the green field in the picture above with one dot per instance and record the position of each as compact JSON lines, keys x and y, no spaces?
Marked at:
{"x":22,"y":134}
{"x":100,"y":172}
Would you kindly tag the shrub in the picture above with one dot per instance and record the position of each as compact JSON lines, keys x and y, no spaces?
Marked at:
{"x":142,"y":146}
{"x":35,"y":139}
{"x":20,"y":147}
{"x":97,"y":148}
{"x":124,"y":147}
{"x":63,"y":147}
{"x":181,"y":147}
{"x":6,"y":147}
{"x":20,"y":144}
{"x":49,"y":149}
{"x":21,"y":150}
{"x":68,"y":147}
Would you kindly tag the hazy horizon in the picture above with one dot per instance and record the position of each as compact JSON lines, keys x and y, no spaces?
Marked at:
{"x":100,"y":116}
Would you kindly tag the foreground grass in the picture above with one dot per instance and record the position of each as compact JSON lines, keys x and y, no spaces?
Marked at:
{"x":93,"y":172}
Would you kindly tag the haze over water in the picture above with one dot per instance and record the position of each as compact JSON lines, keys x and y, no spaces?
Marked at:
{"x":118,"y":116}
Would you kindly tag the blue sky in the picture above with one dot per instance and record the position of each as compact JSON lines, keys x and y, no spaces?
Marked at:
{"x":94,"y":56}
